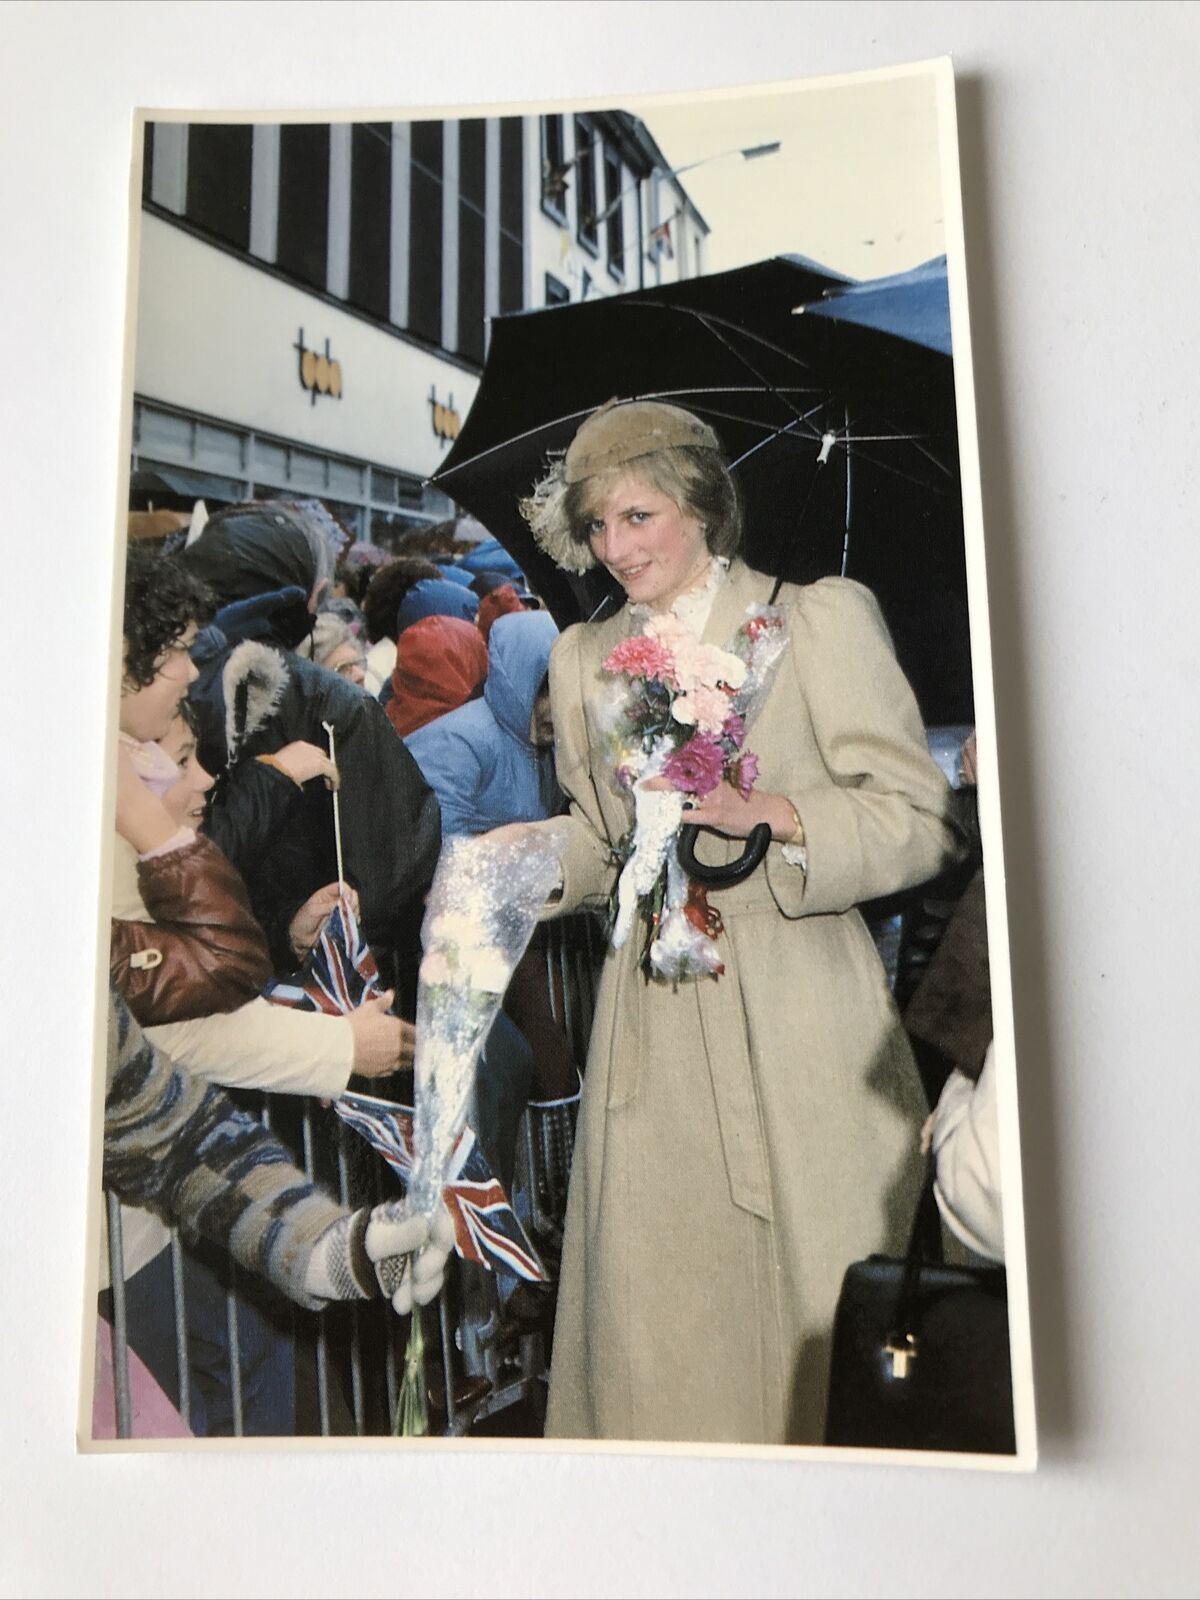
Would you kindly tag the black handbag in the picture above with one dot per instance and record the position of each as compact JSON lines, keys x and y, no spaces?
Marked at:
{"x":920,"y":1351}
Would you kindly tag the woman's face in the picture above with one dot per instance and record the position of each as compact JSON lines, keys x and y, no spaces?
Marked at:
{"x":655,"y":551}
{"x":346,"y":661}
{"x":185,"y":798}
{"x":147,"y":713}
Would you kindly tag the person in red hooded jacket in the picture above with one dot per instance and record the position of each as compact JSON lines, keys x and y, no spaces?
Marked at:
{"x":441,"y":663}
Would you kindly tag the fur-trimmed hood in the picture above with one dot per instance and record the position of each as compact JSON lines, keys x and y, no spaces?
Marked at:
{"x":253,"y":681}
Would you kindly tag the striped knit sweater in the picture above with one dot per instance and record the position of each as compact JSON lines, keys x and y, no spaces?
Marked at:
{"x":179,"y":1145}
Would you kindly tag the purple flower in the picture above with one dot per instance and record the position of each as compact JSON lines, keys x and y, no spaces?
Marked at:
{"x":744,"y":774}
{"x":735,"y":728}
{"x":696,"y":768}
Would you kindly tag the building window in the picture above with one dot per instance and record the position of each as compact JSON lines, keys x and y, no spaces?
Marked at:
{"x":218,"y":181}
{"x":472,"y":190}
{"x":554,"y":170}
{"x":371,"y":217}
{"x":585,"y":187}
{"x":557,"y":293}
{"x":194,"y":457}
{"x":425,"y":232}
{"x":512,"y":213}
{"x":614,"y":209}
{"x":303,"y":244}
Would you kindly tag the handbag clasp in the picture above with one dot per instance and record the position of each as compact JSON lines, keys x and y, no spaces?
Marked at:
{"x":903,"y":1351}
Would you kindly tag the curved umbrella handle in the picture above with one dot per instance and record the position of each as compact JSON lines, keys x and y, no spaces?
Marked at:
{"x":756,"y":848}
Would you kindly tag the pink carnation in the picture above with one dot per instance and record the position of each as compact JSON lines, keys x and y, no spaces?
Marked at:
{"x":735,"y":728}
{"x":706,"y":708}
{"x":640,"y":657}
{"x":696,"y":767}
{"x":744,"y":773}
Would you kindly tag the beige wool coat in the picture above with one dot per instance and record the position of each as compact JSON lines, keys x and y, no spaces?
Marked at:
{"x":742,"y":1140}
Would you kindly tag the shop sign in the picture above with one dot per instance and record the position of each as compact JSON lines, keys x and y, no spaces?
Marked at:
{"x":319,"y":374}
{"x":446,"y":420}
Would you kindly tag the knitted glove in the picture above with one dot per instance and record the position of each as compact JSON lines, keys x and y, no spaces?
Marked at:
{"x":423,"y":1282}
{"x":342,"y":1266}
{"x":367,"y":1251}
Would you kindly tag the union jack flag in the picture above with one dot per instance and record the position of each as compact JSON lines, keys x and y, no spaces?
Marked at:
{"x":487,"y":1230}
{"x":338,"y":974}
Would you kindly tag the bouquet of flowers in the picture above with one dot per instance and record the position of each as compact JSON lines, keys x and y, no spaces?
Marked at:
{"x":680,"y":712}
{"x":482,"y":909}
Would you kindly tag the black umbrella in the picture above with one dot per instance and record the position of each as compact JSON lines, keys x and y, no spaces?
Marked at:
{"x":841,"y":438}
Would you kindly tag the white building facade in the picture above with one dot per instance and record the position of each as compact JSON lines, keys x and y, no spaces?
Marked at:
{"x":313,"y":300}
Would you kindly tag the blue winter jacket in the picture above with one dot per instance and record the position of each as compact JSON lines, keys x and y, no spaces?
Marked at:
{"x":479,"y":760}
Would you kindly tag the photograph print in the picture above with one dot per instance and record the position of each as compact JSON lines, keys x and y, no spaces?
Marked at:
{"x":554,"y":996}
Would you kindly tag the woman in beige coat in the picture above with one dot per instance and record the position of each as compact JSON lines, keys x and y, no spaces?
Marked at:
{"x":742,"y":1139}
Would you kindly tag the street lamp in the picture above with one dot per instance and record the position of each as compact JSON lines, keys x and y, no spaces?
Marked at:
{"x":748,"y":153}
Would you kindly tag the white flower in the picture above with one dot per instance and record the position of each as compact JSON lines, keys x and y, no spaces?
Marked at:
{"x":435,"y":968}
{"x":684,"y":711}
{"x":487,"y":969}
{"x":729,"y":668}
{"x":454,"y":929}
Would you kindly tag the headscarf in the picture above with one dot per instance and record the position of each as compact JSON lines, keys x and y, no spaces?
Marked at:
{"x":251,"y":550}
{"x":435,"y":597}
{"x":441,"y":663}
{"x":501,"y":601}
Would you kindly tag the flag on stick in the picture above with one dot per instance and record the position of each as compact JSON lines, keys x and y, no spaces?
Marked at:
{"x":487,"y":1230}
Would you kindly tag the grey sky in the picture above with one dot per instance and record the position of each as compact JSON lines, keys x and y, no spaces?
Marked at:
{"x":856,"y":185}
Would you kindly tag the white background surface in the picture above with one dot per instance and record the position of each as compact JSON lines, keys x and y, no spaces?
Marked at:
{"x":1079,"y":143}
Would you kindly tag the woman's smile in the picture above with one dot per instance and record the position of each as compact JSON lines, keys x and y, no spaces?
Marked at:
{"x":655,"y":551}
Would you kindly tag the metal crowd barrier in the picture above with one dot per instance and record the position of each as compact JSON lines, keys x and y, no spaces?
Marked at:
{"x":335,"y":1337}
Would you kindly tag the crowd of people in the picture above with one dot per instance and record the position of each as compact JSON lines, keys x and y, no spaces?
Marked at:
{"x":742,"y":1138}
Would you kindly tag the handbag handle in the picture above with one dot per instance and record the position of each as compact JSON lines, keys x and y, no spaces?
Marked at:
{"x":756,"y":848}
{"x":924,"y":1248}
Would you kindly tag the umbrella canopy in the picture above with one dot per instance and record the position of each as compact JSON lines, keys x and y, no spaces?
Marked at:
{"x":840,"y":436}
{"x":913,"y":305}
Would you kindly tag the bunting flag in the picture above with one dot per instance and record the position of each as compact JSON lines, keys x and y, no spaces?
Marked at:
{"x":338,"y":974}
{"x":486,"y":1228}
{"x":660,"y":237}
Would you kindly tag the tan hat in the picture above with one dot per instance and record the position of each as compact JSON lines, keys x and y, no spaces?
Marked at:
{"x":623,"y":430}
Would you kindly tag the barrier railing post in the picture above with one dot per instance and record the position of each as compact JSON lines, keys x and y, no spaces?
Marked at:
{"x":356,"y":1372}
{"x":120,"y":1326}
{"x":181,"y":1344}
{"x":322,"y":1337}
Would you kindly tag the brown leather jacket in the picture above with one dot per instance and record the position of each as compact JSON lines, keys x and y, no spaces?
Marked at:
{"x":203,"y":952}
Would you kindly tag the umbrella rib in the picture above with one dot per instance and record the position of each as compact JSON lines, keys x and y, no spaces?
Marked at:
{"x":778,"y":433}
{"x":934,"y":460}
{"x":513,"y":438}
{"x":711,"y":323}
{"x":897,"y":472}
{"x":571,"y":416}
{"x":908,"y":438}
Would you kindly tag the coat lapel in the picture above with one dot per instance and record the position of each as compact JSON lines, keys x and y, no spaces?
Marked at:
{"x":741,"y":588}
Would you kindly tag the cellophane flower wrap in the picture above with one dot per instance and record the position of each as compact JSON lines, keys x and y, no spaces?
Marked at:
{"x":680,"y":709}
{"x":480,"y":915}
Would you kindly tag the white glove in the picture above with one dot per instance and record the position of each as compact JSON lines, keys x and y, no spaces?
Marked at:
{"x":364,"y":1251}
{"x":392,"y":1237}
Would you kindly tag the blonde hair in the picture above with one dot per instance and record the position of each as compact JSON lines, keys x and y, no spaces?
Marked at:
{"x":695,"y":479}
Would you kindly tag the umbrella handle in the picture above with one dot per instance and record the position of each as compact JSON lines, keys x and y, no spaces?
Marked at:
{"x":756,"y":848}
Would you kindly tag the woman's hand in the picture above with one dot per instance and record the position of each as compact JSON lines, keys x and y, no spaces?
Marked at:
{"x":382,"y":1044}
{"x":305,"y":927}
{"x":725,"y":812}
{"x":302,"y":761}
